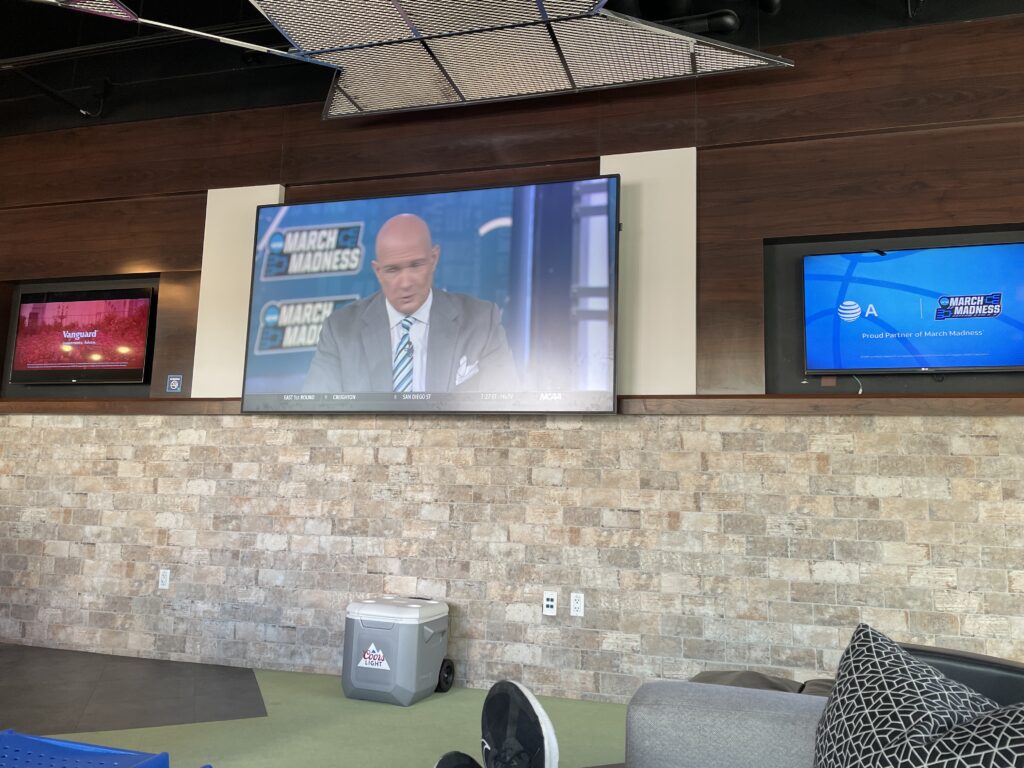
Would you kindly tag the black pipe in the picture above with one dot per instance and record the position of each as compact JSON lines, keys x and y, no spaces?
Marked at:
{"x":58,"y":96}
{"x":714,"y":23}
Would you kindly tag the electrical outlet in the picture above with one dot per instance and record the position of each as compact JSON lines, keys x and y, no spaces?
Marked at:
{"x":550,"y":604}
{"x":164,"y":581}
{"x":576,"y":604}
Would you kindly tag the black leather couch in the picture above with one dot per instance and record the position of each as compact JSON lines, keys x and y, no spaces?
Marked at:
{"x":999,"y":679}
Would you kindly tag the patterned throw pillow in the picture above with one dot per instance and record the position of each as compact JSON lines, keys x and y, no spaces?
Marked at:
{"x":889,"y":710}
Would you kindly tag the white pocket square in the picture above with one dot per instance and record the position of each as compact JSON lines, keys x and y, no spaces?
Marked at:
{"x":466,"y":371}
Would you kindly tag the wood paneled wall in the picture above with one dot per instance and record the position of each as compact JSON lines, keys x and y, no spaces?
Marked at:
{"x":132,"y":160}
{"x":126,"y":236}
{"x":895,"y":130}
{"x":129,"y":235}
{"x":885,"y":133}
{"x":894,"y":80}
{"x":967,"y":175}
{"x":174,"y":342}
{"x":442,"y":181}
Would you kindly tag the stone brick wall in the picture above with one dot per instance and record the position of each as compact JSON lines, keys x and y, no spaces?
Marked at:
{"x":700,"y":542}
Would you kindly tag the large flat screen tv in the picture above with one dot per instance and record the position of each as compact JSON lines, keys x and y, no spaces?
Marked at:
{"x":483,"y":300}
{"x":925,"y":310}
{"x":82,"y":336}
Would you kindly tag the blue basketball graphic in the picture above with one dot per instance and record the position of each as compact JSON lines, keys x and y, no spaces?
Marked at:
{"x":905,"y":314}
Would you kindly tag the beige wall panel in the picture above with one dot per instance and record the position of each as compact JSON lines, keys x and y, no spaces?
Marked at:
{"x":657,"y":335}
{"x":224,"y":290}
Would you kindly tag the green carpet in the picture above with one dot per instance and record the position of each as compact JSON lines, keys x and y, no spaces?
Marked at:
{"x":310,"y":724}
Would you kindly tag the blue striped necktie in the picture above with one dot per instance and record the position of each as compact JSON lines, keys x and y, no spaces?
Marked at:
{"x":402,"y":368}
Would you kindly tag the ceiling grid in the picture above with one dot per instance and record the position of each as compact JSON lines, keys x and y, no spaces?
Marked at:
{"x":399,"y":55}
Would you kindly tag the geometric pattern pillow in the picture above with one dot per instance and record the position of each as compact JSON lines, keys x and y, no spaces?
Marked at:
{"x":889,"y":710}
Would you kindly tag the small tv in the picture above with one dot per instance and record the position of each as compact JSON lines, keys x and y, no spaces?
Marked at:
{"x":82,"y":336}
{"x":916,"y":310}
{"x":496,"y":300}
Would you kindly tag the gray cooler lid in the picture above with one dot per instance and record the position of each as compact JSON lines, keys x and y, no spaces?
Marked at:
{"x":400,"y":610}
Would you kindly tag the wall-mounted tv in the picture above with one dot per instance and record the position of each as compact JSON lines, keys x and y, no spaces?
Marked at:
{"x":84,"y":335}
{"x":923,"y":310}
{"x":483,"y":300}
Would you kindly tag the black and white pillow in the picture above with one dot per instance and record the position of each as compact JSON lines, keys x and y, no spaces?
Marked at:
{"x":889,"y":710}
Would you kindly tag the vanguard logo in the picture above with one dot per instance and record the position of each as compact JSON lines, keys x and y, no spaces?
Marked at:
{"x":971,"y":305}
{"x":336,"y":249}
{"x":294,"y":326}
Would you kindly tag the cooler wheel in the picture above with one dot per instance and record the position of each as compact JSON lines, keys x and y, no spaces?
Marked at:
{"x":446,"y":676}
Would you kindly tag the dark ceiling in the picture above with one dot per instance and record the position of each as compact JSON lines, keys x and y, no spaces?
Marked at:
{"x":60,"y":68}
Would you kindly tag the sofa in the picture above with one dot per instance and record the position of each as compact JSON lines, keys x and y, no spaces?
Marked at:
{"x":687,"y":724}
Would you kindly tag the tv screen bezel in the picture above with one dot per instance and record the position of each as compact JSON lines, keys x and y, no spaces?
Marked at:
{"x":99,"y":290}
{"x":613,"y":319}
{"x":925,"y":370}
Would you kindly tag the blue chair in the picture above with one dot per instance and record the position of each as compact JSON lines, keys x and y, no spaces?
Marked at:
{"x":18,"y":750}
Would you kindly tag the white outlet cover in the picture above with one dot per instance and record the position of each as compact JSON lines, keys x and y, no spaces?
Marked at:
{"x":164,"y":580}
{"x":576,"y":604}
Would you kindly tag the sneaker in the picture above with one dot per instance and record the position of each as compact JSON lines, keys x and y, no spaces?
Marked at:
{"x":516,"y":731}
{"x":456,"y":760}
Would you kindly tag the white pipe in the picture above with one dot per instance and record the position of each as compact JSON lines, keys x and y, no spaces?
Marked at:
{"x":217,"y":38}
{"x":207,"y":36}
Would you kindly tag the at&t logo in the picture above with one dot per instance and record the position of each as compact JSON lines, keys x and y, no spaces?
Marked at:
{"x":850,"y":310}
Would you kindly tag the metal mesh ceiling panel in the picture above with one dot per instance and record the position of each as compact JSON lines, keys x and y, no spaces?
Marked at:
{"x":502,"y":63}
{"x":557,"y":9}
{"x":390,"y":77}
{"x":438,"y":17}
{"x":602,"y":50}
{"x":320,"y":25}
{"x":397,"y":55}
{"x":715,"y":59}
{"x":111,"y":8}
{"x":317,"y":25}
{"x":487,"y":50}
{"x":338,"y":103}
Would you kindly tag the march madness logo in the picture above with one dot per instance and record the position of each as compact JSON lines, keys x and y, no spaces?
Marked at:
{"x":373,"y":659}
{"x":975,"y":305}
{"x":294,"y":326}
{"x":335,"y":249}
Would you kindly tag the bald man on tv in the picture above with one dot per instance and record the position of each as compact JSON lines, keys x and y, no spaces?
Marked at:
{"x":409,"y":336}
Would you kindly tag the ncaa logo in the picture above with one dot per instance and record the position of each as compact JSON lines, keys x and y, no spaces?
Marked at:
{"x":271,"y":314}
{"x":276,"y":243}
{"x":271,"y":337}
{"x":849,"y":311}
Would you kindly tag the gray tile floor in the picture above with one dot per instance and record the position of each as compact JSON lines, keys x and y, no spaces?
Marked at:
{"x":47,"y":691}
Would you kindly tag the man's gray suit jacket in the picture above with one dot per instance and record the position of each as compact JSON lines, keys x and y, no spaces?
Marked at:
{"x":466,"y":348}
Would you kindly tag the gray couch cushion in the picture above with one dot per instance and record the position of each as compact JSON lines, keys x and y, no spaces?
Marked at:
{"x":674,"y":724}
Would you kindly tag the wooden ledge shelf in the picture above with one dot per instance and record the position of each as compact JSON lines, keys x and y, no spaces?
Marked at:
{"x":832,"y":405}
{"x":127,"y":407}
{"x":693,"y":405}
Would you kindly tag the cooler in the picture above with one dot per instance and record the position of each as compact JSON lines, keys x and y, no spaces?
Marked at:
{"x":394,"y":649}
